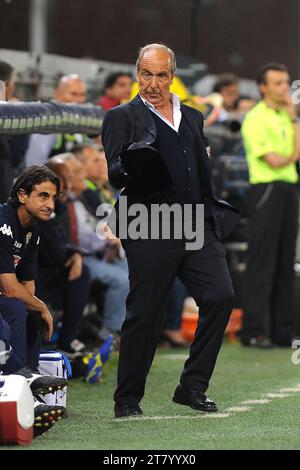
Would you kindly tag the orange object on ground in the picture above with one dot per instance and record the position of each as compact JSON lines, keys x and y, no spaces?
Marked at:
{"x":189,"y":325}
{"x":190,"y":322}
{"x":234,"y":325}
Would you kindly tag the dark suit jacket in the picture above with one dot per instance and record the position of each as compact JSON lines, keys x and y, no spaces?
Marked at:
{"x":6,"y":169}
{"x":133,"y":122}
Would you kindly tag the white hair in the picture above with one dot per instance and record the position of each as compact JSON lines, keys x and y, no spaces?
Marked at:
{"x":65,"y":79}
{"x":65,"y":157}
{"x":157,"y":46}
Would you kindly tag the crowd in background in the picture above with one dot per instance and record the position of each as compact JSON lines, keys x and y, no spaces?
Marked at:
{"x":84,"y":278}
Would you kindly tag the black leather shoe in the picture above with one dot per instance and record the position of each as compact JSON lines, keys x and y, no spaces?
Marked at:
{"x":194,"y":399}
{"x":127,"y":409}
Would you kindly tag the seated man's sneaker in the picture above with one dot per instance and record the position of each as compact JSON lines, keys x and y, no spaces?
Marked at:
{"x":45,"y":416}
{"x":42,"y":384}
{"x":127,"y":409}
{"x":194,"y":399}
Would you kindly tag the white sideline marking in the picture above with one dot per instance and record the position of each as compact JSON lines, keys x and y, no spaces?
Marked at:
{"x":217,"y":415}
{"x":172,"y":356}
{"x":261,"y":401}
{"x":278,"y":395}
{"x":290,"y":390}
{"x":157,"y":418}
{"x":238,"y":409}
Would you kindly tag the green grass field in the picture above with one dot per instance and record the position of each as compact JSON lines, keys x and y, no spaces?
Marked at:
{"x":241,"y":374}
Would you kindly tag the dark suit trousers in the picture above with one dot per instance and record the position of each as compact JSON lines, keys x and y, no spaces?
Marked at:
{"x":153,"y":266}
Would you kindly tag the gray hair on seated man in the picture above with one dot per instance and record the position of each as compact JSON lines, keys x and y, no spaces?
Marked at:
{"x":63,"y":157}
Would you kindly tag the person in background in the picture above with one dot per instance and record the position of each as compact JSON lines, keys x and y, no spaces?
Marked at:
{"x":62,"y":274}
{"x":271,"y":138}
{"x":117,"y":88}
{"x":70,"y":89}
{"x":104,"y":258}
{"x":244,"y":104}
{"x":12,"y":148}
{"x":94,"y":163}
{"x":227,"y":85}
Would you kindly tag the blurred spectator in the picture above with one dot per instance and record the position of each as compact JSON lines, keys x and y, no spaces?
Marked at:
{"x":271,"y":138}
{"x":227,"y":85}
{"x":19,"y":146}
{"x":70,"y":89}
{"x":223,"y":123}
{"x":105,"y":259}
{"x":63,"y":279}
{"x":8,"y":76}
{"x":12,"y":148}
{"x":244,"y":104}
{"x":96,"y":172}
{"x":117,"y":88}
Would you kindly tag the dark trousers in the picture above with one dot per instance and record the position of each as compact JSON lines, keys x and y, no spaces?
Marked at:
{"x":54,"y":287}
{"x":153,"y":266}
{"x":273,"y":229}
{"x":25,"y":334}
{"x":15,"y":361}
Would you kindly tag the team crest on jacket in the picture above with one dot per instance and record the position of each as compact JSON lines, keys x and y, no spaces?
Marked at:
{"x":6,"y":230}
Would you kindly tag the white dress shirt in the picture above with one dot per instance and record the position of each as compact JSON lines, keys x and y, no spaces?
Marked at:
{"x":176,"y":112}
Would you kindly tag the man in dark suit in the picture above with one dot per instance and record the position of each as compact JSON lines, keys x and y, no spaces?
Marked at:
{"x":155,"y":120}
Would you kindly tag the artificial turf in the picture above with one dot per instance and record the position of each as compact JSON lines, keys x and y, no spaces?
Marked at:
{"x":241,"y":374}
